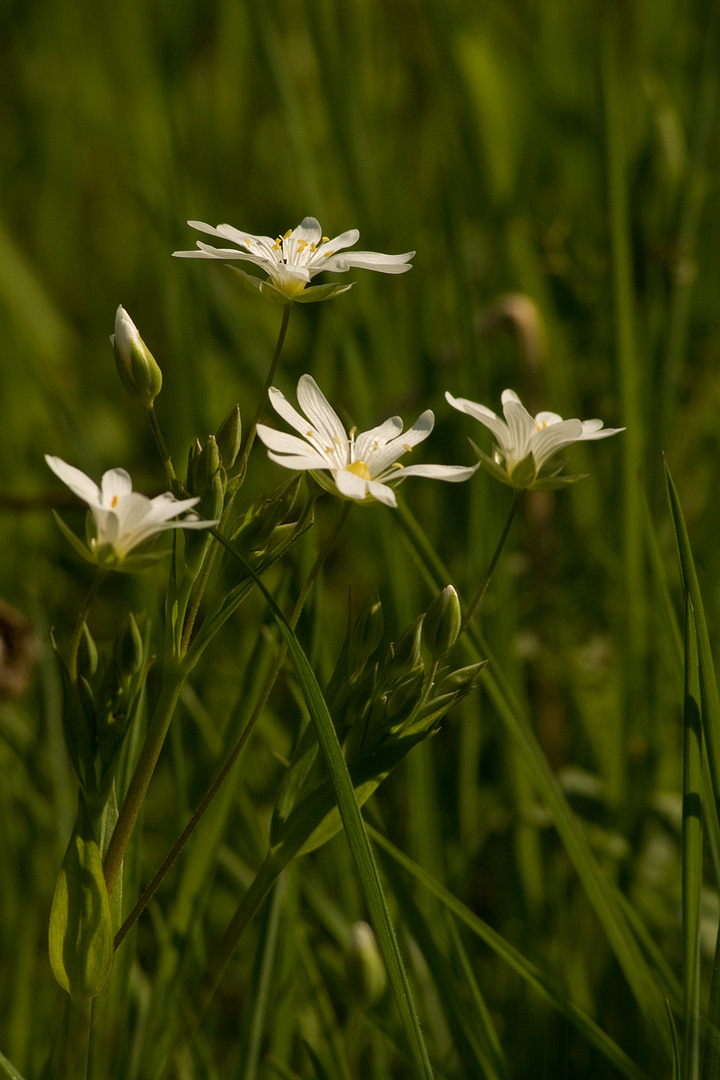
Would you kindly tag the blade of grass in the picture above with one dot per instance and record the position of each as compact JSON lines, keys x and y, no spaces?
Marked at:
{"x":528,"y":971}
{"x":692,"y":849}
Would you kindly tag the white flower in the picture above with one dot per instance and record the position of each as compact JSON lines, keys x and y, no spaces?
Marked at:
{"x":526,"y":443}
{"x":361,"y":467}
{"x":292,"y":260}
{"x":120,"y":519}
{"x":136,"y":365}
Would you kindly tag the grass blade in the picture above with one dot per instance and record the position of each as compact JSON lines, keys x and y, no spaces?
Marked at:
{"x":692,"y":849}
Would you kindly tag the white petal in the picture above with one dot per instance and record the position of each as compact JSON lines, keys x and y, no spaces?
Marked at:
{"x":115,"y":485}
{"x":370,"y":260}
{"x":549,"y":440}
{"x":76,"y":480}
{"x":398,"y":447}
{"x":368,"y":443}
{"x":510,"y":395}
{"x":283,"y":443}
{"x":298,"y":462}
{"x":325,"y":252}
{"x":308,"y":230}
{"x":283,"y":408}
{"x":521,"y":428}
{"x":484,"y":415}
{"x":454,"y":473}
{"x":591,"y":430}
{"x":382,"y":493}
{"x":167,"y":506}
{"x":321,"y":414}
{"x":545,"y":419}
{"x":350,"y":485}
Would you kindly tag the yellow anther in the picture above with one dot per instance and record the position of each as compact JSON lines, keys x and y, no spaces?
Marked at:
{"x":276,"y":245}
{"x":302,"y":244}
{"x":288,"y":233}
{"x":309,"y":434}
{"x":541,"y":425}
{"x":325,"y":239}
{"x":338,"y":441}
{"x":327,"y":254}
{"x":114,"y":501}
{"x":398,"y":465}
{"x":407,"y":446}
{"x":313,"y":248}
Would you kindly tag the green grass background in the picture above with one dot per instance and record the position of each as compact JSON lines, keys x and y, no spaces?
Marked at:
{"x":568,"y":153}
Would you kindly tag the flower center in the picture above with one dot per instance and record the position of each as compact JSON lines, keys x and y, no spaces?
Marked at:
{"x":359,"y":468}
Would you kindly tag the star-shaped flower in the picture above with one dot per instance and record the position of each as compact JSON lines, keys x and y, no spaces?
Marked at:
{"x":525,"y":444}
{"x":292,"y":260}
{"x":359,"y":467}
{"x":120,"y":519}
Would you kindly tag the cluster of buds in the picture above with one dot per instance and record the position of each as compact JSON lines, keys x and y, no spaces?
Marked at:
{"x":101,"y":699}
{"x":383,"y":702}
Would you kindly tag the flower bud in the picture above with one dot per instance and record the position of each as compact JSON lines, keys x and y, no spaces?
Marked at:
{"x":364,"y":967}
{"x":203,"y":468}
{"x":128,"y":650}
{"x":368,"y":628}
{"x":87,"y":657}
{"x":229,"y":437}
{"x":443,"y":620}
{"x":140,"y":374}
{"x":404,"y":653}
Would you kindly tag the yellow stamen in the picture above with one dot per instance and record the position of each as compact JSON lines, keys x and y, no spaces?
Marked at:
{"x":313,"y":248}
{"x":309,"y":434}
{"x":328,"y":254}
{"x":276,"y":245}
{"x":407,"y":446}
{"x":288,"y":233}
{"x":325,"y":239}
{"x":540,"y":426}
{"x":398,"y":465}
{"x":359,"y":468}
{"x":114,"y":501}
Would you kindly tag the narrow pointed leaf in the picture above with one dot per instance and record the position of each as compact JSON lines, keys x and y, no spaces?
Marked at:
{"x":692,"y":851}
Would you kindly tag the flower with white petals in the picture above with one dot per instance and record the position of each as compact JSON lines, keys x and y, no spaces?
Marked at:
{"x":120,"y":519}
{"x":291,"y":261}
{"x":525,"y":443}
{"x":358,"y":467}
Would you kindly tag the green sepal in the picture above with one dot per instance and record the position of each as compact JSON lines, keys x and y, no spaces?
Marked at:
{"x":82,"y":549}
{"x":311,"y":294}
{"x":81,"y":937}
{"x":524,"y":472}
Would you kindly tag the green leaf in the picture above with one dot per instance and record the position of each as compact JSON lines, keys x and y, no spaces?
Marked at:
{"x":81,"y":935}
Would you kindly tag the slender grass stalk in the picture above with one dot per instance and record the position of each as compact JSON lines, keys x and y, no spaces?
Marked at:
{"x":692,"y":850}
{"x":614,"y":90}
{"x":163,"y":450}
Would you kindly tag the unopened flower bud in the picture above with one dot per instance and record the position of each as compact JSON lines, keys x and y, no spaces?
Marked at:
{"x":204,"y":467}
{"x":404,"y":653}
{"x":368,"y":628}
{"x":443,"y":620}
{"x":87,"y":657}
{"x":461,"y":681}
{"x":128,"y":649}
{"x":229,"y":437}
{"x":364,"y":967}
{"x":405,"y":696}
{"x":137,"y":367}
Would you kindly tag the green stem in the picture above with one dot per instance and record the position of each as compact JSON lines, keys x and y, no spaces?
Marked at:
{"x":237,"y":749}
{"x":237,"y":481}
{"x":164,"y":452}
{"x":77,"y":1045}
{"x":250,"y":437}
{"x":169,"y":694}
{"x":77,"y":633}
{"x":517,"y":495}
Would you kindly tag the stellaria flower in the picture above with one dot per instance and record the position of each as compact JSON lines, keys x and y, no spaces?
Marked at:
{"x":120,"y":519}
{"x":361,"y":467}
{"x":292,"y":260}
{"x":526,"y":444}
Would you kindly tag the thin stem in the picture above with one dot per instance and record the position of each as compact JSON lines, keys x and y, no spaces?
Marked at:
{"x":237,"y":481}
{"x":517,"y":495}
{"x":77,"y":633}
{"x":169,"y":694}
{"x":212,"y":791}
{"x":164,"y":452}
{"x":250,"y":437}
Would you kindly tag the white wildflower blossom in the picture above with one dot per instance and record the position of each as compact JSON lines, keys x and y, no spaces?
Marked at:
{"x":291,"y":261}
{"x":362,"y":467}
{"x":120,"y":519}
{"x":526,"y":444}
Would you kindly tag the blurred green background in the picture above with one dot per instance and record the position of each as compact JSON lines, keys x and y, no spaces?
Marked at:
{"x":556,"y":168}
